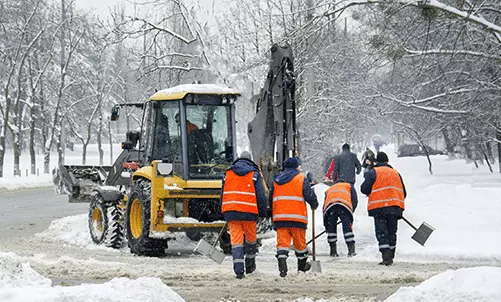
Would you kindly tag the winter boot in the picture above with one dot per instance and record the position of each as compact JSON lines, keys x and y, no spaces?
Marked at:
{"x":351,"y":249}
{"x":250,"y":265}
{"x":333,"y":250}
{"x":387,"y":260}
{"x":393,"y":253}
{"x":282,"y":266}
{"x":302,"y":265}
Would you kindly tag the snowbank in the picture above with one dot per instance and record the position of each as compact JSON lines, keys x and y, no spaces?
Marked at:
{"x":72,"y":230}
{"x":466,"y":284}
{"x":9,"y":182}
{"x":19,"y":282}
{"x":15,"y":183}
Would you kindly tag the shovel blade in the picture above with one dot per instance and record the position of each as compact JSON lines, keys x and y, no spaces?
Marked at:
{"x":316,"y":267}
{"x":422,"y":233}
{"x":204,"y":248}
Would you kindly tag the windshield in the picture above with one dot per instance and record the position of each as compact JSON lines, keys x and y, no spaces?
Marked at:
{"x":166,"y":136}
{"x":209,"y":130}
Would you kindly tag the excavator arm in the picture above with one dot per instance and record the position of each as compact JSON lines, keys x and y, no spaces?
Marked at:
{"x":272,"y":132}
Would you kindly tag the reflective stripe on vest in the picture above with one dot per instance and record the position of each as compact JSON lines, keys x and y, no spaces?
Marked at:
{"x":288,"y":201}
{"x":339,"y":193}
{"x":239,"y":193}
{"x":387,"y":190}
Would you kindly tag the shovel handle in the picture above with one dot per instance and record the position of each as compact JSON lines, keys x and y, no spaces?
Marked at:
{"x":313,"y":233}
{"x":323,"y":232}
{"x":409,"y":223}
{"x":225,"y":226}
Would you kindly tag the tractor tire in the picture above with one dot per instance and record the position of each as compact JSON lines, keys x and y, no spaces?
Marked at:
{"x":138,"y":222}
{"x":106,"y":223}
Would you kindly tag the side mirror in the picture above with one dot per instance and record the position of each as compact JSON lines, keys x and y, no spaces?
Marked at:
{"x":115,"y":113}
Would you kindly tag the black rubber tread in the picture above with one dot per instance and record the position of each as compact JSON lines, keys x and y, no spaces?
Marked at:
{"x":143,"y":246}
{"x":113,"y":234}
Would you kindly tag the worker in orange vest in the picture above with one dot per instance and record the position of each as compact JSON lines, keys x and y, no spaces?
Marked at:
{"x":386,"y":191}
{"x":340,"y":202}
{"x":243,"y":200}
{"x":288,"y":197}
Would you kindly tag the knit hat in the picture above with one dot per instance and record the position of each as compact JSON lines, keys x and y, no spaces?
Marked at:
{"x":346,"y":147}
{"x":291,"y":163}
{"x":246,"y":154}
{"x":382,"y":157}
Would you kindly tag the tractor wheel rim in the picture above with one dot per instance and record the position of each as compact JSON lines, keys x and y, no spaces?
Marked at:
{"x":136,"y":218}
{"x":97,"y":221}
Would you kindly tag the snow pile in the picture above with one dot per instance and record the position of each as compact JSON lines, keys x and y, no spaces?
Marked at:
{"x":72,"y":229}
{"x":19,"y":282}
{"x":466,"y":284}
{"x":14,"y":183}
{"x":14,"y":274}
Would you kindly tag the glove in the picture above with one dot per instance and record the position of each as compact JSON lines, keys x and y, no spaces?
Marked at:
{"x":269,"y":213}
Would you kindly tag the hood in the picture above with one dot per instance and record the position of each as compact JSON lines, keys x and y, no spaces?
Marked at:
{"x":243,"y":166}
{"x":286,"y":176}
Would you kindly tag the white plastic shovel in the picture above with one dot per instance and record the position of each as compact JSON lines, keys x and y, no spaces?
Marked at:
{"x":204,"y":248}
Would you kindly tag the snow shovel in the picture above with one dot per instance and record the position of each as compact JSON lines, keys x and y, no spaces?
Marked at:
{"x":422,"y":233}
{"x":315,"y":265}
{"x":204,"y":248}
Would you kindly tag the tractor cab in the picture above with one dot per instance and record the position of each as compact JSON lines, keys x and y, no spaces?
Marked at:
{"x":192,"y":127}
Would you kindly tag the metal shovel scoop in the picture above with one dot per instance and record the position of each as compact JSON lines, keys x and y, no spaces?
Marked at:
{"x":204,"y":248}
{"x":315,"y":265}
{"x":422,"y":233}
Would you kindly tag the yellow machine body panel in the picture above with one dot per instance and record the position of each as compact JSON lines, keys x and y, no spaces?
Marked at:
{"x":173,"y":191}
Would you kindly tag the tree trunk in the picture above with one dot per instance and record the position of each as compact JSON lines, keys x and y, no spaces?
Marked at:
{"x":110,"y":135}
{"x":84,"y":153}
{"x":32,"y":142}
{"x":17,"y":153}
{"x":2,"y":148}
{"x":449,"y":146}
{"x":60,"y":146}
{"x":99,"y":137}
{"x":486,"y":158}
{"x":498,"y":138}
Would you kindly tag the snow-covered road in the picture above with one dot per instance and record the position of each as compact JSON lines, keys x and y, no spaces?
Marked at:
{"x":460,"y":201}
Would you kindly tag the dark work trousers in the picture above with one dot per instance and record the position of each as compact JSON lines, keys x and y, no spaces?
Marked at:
{"x":334,"y":213}
{"x":386,"y":231}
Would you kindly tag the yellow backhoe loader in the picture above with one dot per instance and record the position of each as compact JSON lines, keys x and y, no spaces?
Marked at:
{"x":168,"y":177}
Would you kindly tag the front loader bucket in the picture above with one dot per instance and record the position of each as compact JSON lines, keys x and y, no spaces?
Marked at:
{"x":78,"y":182}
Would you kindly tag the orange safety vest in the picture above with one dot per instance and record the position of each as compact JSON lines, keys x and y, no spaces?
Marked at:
{"x":239,"y":193}
{"x":387,"y":190}
{"x":339,"y":193}
{"x":288,"y":201}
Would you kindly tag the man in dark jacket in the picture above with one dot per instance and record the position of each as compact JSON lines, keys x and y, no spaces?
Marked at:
{"x":291,"y":190}
{"x":242,"y":201}
{"x":347,"y":165}
{"x":340,"y":203}
{"x":386,"y":191}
